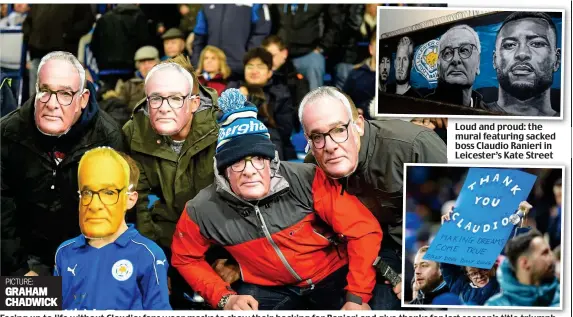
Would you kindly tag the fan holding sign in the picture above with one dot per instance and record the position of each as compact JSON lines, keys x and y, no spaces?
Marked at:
{"x":480,"y":224}
{"x":476,"y":285}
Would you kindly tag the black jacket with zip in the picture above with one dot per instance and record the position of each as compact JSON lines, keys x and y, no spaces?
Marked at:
{"x":39,"y":197}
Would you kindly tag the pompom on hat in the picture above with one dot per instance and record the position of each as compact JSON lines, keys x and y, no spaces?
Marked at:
{"x":240,"y":134}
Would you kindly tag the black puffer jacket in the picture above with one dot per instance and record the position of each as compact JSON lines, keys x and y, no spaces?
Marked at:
{"x":39,"y":197}
{"x":297,"y":85}
{"x":280,"y":107}
{"x":299,"y":26}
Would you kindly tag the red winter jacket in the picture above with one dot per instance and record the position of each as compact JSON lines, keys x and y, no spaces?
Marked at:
{"x":283,"y":239}
{"x":217,"y":83}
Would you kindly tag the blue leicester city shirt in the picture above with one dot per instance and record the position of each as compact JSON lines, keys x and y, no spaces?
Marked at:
{"x":128,"y":274}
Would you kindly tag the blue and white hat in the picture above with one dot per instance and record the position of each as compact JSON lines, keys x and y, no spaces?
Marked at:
{"x":240,"y":134}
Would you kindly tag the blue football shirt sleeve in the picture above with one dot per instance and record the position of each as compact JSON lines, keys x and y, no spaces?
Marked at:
{"x":153,"y":285}
{"x":57,"y":270}
{"x":58,"y":261}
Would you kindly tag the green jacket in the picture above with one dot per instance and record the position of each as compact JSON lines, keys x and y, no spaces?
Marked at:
{"x":131,"y":92}
{"x":173,"y":178}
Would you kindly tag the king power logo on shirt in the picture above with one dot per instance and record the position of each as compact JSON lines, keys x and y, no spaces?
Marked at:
{"x":31,"y":293}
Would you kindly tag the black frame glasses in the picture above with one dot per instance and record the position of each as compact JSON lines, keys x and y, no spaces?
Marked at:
{"x":477,"y":273}
{"x":108,"y":200}
{"x":340,"y":136}
{"x":60,"y":95}
{"x":258,"y":163}
{"x":156,"y":101}
{"x":465,"y":51}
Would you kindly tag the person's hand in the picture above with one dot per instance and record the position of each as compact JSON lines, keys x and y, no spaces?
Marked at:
{"x":431,"y":123}
{"x":110,"y":94}
{"x":440,"y":122}
{"x":446,"y":216}
{"x":244,"y":91}
{"x":31,"y":273}
{"x":317,"y":51}
{"x":242,"y":302}
{"x":160,"y":28}
{"x":189,"y":43}
{"x":424,"y":122}
{"x":414,"y":290}
{"x":230,"y":273}
{"x":354,"y":306}
{"x":525,"y":207}
{"x":397,"y":289}
{"x":184,"y":9}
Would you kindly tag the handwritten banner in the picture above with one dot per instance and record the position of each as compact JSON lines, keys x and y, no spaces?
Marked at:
{"x":480,"y":226}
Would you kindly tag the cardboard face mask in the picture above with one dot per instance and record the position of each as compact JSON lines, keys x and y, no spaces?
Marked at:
{"x":103,"y":177}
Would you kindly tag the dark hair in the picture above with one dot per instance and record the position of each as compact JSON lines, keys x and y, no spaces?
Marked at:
{"x":262,"y":54}
{"x":384,"y":50}
{"x":519,"y":245}
{"x":274,"y":39}
{"x":525,"y":15}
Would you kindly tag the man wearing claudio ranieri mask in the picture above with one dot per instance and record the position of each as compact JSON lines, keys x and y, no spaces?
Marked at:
{"x":525,"y":58}
{"x":458,"y":66}
{"x":367,"y":158}
{"x":42,"y":143}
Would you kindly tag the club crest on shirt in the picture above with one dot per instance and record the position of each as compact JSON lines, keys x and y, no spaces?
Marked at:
{"x":122,"y":270}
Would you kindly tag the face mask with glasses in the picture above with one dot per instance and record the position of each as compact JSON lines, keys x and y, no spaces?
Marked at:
{"x":63,"y":97}
{"x":338,"y":134}
{"x":258,"y":163}
{"x":106,"y":196}
{"x":175,"y":101}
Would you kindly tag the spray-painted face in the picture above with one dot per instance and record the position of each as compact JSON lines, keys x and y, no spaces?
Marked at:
{"x":104,"y":183}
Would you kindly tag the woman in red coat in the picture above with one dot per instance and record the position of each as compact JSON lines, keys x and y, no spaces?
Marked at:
{"x":213,"y":70}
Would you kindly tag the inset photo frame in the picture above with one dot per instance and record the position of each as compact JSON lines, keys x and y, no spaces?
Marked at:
{"x":481,"y":236}
{"x":435,"y":62}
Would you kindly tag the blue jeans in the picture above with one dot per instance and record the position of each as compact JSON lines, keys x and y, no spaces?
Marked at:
{"x":312,"y":66}
{"x":328,"y":294}
{"x":341,"y":72}
{"x":383,"y":296}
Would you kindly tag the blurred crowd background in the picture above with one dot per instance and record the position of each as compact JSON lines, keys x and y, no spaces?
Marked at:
{"x":275,"y":53}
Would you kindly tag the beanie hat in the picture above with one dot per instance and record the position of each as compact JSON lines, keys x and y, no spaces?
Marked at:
{"x":240,"y":134}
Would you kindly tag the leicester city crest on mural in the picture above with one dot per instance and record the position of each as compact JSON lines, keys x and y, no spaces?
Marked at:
{"x":426,"y":60}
